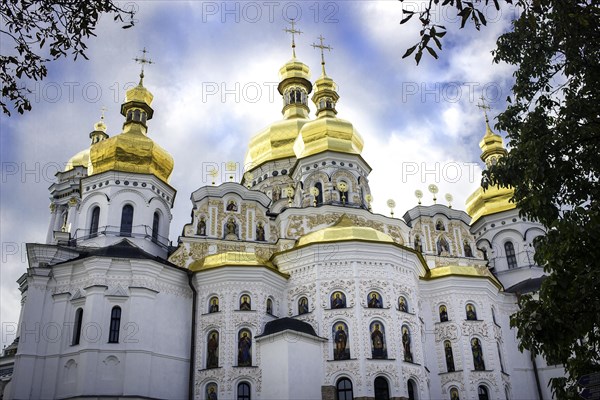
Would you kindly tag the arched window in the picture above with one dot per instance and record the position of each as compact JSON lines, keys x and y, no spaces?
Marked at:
{"x":443,"y":313}
{"x":115,"y":325}
{"x":406,"y":344}
{"x":126,"y":220}
{"x":402,"y":304}
{"x":77,"y":326}
{"x":344,"y":389}
{"x":477,"y":351}
{"x":136,"y":115}
{"x":213,"y":304}
{"x":243,"y":391}
{"x":439,"y":225}
{"x":378,"y":345}
{"x":212,"y":350}
{"x":338,"y":300}
{"x":155,"y":225}
{"x":374,"y":300}
{"x":382,"y":389}
{"x":245,"y":303}
{"x":443,"y":246}
{"x":417,"y":244}
{"x":302,"y":306}
{"x":144,"y":118}
{"x":341,"y":342}
{"x":482,"y":393}
{"x":449,"y":356}
{"x":244,"y":348}
{"x":454,"y":394}
{"x":129,"y":115}
{"x":94,"y":222}
{"x":319,"y":198}
{"x":511,"y":258}
{"x":269,"y":306}
{"x":412,"y":393}
{"x":471,"y":313}
{"x":212,"y":391}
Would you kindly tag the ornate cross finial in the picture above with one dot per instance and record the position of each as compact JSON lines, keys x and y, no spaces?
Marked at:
{"x":102,"y":111}
{"x":293,"y":31}
{"x":484,"y":107}
{"x":322,"y":47}
{"x":143,"y":60}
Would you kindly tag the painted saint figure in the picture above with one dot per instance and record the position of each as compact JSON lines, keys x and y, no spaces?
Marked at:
{"x":467,"y":249}
{"x":260,"y":232}
{"x":374,"y":300}
{"x":244,"y":345}
{"x":338,"y":300}
{"x":211,"y":391}
{"x":471,"y":315}
{"x":341,"y":340}
{"x":439,"y":226}
{"x":449,"y":356}
{"x":201,"y":229}
{"x":406,"y":344}
{"x":443,"y":314}
{"x":477,"y":355}
{"x":402,"y":306}
{"x":231,"y":206}
{"x":302,"y":306}
{"x":276,"y":194}
{"x":418,"y":244}
{"x":245,"y":304}
{"x":454,"y":394}
{"x":230,"y":227}
{"x":443,"y":246}
{"x":212,"y":350}
{"x":378,"y":349}
{"x":214,"y":305}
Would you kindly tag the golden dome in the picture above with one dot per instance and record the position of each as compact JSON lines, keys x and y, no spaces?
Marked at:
{"x":494,"y":199}
{"x":344,"y":230}
{"x":328,"y":134}
{"x":469,"y":271}
{"x":277,"y":140}
{"x":231,"y":259}
{"x":274,"y":142}
{"x":81,"y":159}
{"x":132,"y":150}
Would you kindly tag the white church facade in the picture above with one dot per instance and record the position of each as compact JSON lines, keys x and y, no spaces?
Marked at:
{"x":282,"y":286}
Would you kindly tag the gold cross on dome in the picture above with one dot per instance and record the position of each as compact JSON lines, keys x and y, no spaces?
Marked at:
{"x":293,"y":31}
{"x":482,"y":105}
{"x":103,"y":109}
{"x":143,"y":60}
{"x":322,"y":47}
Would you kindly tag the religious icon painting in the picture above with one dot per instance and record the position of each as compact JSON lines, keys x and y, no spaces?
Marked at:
{"x":338,"y":300}
{"x":341,"y":341}
{"x":374,"y":300}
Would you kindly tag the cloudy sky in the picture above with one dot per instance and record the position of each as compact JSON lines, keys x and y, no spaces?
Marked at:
{"x":214,"y":83}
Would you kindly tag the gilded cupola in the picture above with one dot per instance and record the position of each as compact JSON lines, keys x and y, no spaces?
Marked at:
{"x":82,"y":159}
{"x":327,"y":132}
{"x":132,"y":150}
{"x":277,"y":140}
{"x":494,"y":199}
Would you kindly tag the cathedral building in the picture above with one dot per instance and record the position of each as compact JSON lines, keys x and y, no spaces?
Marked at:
{"x":282,"y":286}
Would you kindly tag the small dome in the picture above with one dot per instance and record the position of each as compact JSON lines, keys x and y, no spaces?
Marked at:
{"x":81,"y":159}
{"x":139,"y":94}
{"x":344,"y":230}
{"x":274,"y":142}
{"x":328,"y":134}
{"x":295,"y":70}
{"x":131,"y":151}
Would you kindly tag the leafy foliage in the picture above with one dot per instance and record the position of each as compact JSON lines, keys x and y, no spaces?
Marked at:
{"x":36,"y":28}
{"x":553,"y":126}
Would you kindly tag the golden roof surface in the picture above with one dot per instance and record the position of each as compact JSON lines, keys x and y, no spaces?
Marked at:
{"x":131,"y":151}
{"x":471,"y":271}
{"x":494,"y":199}
{"x":275,"y":142}
{"x":328,"y":134}
{"x":81,"y":159}
{"x":231,"y":259}
{"x":344,"y":230}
